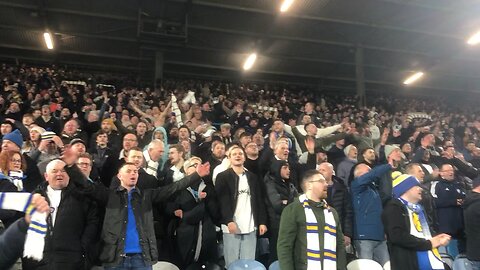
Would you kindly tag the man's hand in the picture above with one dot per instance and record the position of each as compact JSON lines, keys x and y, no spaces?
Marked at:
{"x":459,"y":201}
{"x":40,"y":204}
{"x":440,"y":240}
{"x":202,"y":195}
{"x":69,"y":156}
{"x":178,"y":213}
{"x":57,"y":141}
{"x":203,"y":169}
{"x":232,"y":227}
{"x":262,"y":229}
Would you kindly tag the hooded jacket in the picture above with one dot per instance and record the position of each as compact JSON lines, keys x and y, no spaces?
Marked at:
{"x":278,"y":190}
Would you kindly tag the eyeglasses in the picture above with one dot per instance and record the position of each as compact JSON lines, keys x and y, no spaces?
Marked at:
{"x":84,"y":164}
{"x":16,"y":160}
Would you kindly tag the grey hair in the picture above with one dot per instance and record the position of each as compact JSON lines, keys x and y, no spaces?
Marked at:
{"x":53,"y":163}
{"x":154,"y":143}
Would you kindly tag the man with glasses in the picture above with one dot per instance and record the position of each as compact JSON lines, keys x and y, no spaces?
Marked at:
{"x":310,"y":235}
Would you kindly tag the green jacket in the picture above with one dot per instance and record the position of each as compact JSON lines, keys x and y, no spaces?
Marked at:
{"x":292,"y":239}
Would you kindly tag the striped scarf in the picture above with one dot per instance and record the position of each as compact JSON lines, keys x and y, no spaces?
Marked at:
{"x":314,"y":258}
{"x":419,"y":227}
{"x":35,"y":241}
{"x":151,"y":166}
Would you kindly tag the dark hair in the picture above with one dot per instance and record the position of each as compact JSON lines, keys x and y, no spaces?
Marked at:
{"x":178,"y":147}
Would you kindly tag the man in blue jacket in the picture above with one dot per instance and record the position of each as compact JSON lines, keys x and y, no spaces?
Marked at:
{"x":369,"y":237}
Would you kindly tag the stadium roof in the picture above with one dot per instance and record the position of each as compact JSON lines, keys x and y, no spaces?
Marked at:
{"x":316,"y":42}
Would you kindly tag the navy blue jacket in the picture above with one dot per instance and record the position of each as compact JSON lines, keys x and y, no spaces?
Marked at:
{"x":449,"y":213}
{"x":367,"y":205}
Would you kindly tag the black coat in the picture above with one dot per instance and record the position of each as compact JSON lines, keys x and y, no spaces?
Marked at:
{"x":226,"y":187}
{"x":471,"y":212}
{"x":277,"y":191}
{"x":114,"y":226}
{"x":341,"y":200}
{"x":33,"y":176}
{"x":206,"y":211}
{"x":74,"y":231}
{"x":401,"y":244}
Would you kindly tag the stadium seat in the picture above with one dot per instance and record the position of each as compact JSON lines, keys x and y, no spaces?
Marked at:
{"x":164,"y":266}
{"x":274,"y":266}
{"x":246,"y":264}
{"x":204,"y":266}
{"x":362,"y":264}
{"x":386,"y":266}
{"x":462,"y":263}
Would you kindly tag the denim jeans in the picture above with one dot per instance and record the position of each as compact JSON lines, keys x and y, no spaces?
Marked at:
{"x":134,"y":262}
{"x":373,"y":250}
{"x":239,"y":246}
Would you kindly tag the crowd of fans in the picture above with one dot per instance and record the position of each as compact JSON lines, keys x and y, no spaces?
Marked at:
{"x":258,"y":139}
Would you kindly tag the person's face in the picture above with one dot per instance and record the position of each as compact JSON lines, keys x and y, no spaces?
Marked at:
{"x":219,"y":151}
{"x":5,"y":128}
{"x":37,"y":113}
{"x":308,"y":107}
{"x":447,"y":172}
{"x":183,"y":134}
{"x":321,"y":157}
{"x":396,"y":155}
{"x":128,"y":176}
{"x":318,"y":187}
{"x":369,"y":155}
{"x":418,"y":173}
{"x":245,"y":140}
{"x":450,"y":150}
{"x":9,"y":146}
{"x":285,"y":172}
{"x":45,"y":111}
{"x":27,"y":121}
{"x":34,"y":135}
{"x":15,"y":163}
{"x":306,"y":119}
{"x":156,"y":152}
{"x":135,"y":157}
{"x":158,"y":135}
{"x":414,"y":195}
{"x":311,"y":130}
{"x":70,"y":127}
{"x":174,"y":156}
{"x":282,"y":151}
{"x":225,"y":132}
{"x":141,"y":128}
{"x":85,"y":165}
{"x":277,"y":126}
{"x":353,"y":152}
{"x":251,"y":149}
{"x":407,"y":148}
{"x":106,"y":126}
{"x":129,"y":141}
{"x":65,"y":112}
{"x":57,"y":177}
{"x":79,"y":148}
{"x":102,"y":139}
{"x":326,"y":171}
{"x":237,"y":157}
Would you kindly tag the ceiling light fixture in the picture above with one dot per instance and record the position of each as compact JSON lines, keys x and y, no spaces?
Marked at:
{"x":474,"y":39}
{"x":48,"y":40}
{"x":413,"y":78}
{"x":286,"y":5}
{"x":250,"y":61}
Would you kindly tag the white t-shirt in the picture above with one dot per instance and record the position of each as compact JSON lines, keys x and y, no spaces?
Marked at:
{"x":243,"y":211}
{"x":177,"y":174}
{"x":54,"y":196}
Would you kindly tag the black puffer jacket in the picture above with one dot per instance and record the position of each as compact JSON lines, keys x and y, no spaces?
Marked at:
{"x":278,"y":190}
